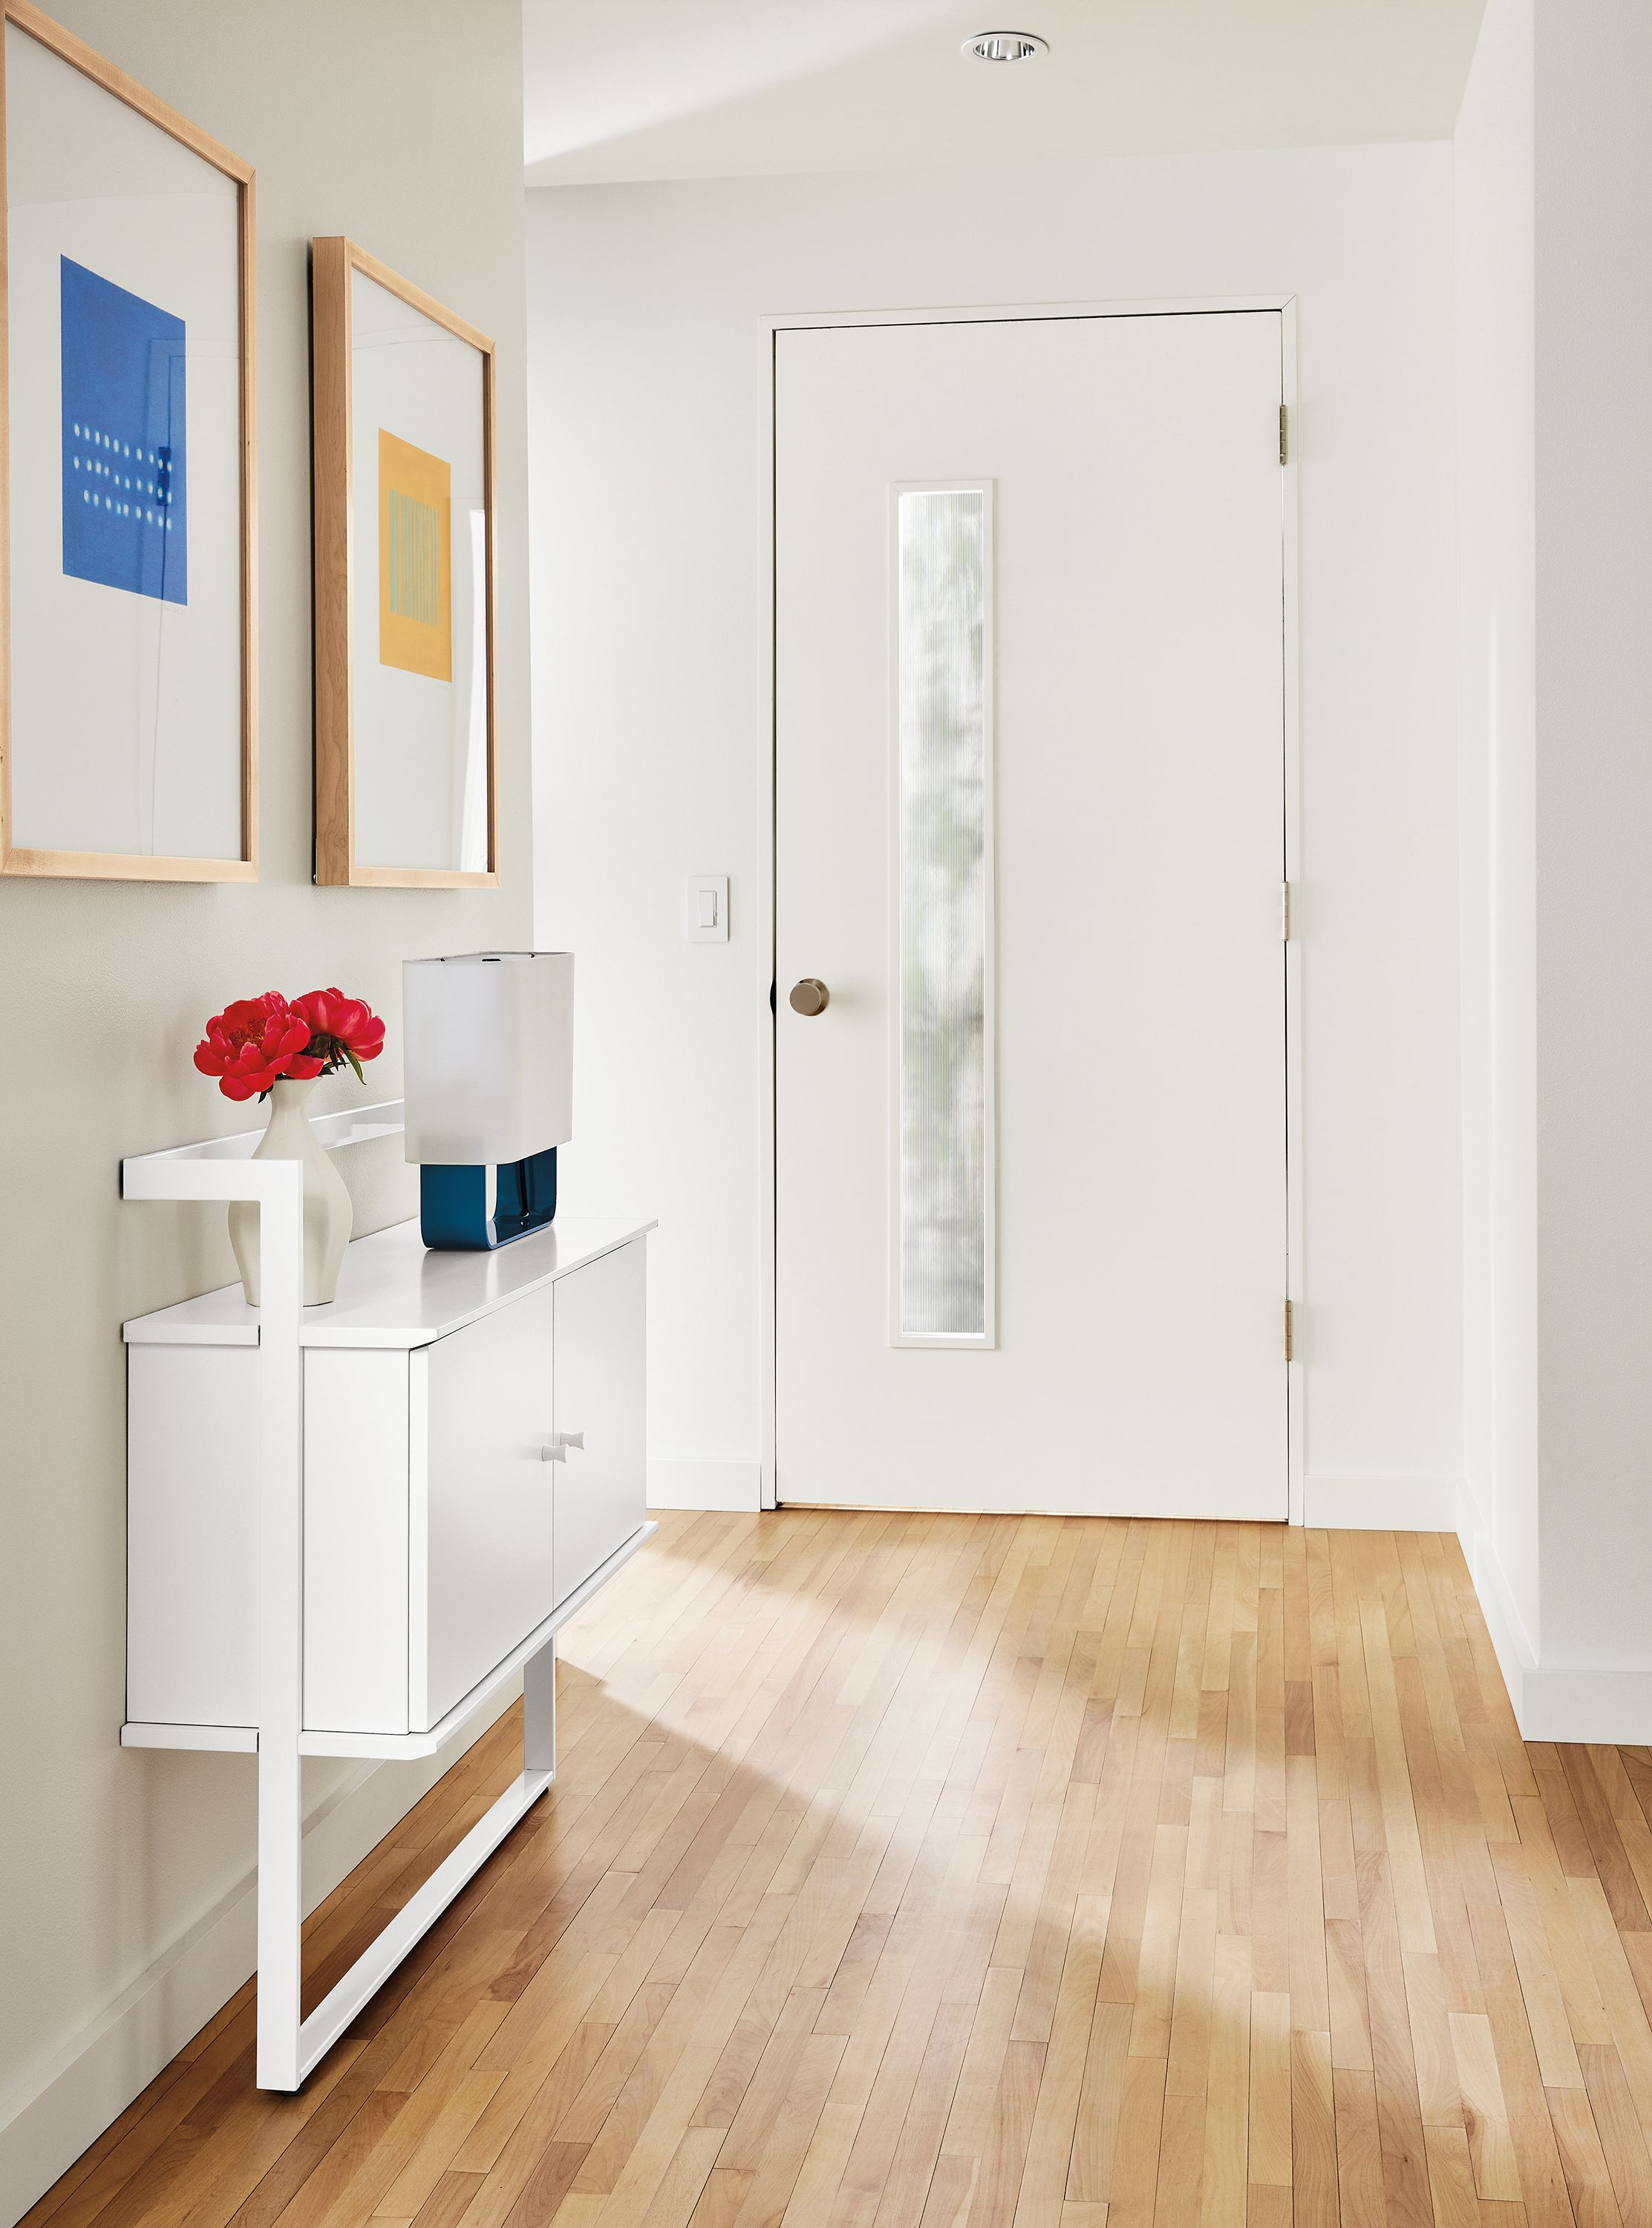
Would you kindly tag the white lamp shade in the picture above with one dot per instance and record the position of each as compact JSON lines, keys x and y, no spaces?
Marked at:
{"x":488,"y":1055}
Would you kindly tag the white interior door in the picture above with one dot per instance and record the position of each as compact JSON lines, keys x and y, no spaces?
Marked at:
{"x":1031,"y":1205}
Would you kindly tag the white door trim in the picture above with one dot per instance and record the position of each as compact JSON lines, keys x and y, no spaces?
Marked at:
{"x":769,"y":327}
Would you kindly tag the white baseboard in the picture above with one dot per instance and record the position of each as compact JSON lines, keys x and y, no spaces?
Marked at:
{"x":50,"y":2116}
{"x":737,"y":1485}
{"x":1510,"y":1639}
{"x":1380,"y":1504}
{"x":1605,"y":1707}
{"x":1552,"y":1702}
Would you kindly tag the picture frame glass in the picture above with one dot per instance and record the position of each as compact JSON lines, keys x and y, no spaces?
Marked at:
{"x":125,"y":395}
{"x":419,"y":678}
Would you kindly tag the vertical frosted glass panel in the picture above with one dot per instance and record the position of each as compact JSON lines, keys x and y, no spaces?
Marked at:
{"x":943,"y":1115}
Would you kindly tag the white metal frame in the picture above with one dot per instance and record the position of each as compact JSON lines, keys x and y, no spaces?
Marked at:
{"x":289,"y":2046}
{"x":987,"y":1338}
{"x":769,"y":329}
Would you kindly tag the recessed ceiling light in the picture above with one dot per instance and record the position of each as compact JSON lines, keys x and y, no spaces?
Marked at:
{"x":1006,"y":46}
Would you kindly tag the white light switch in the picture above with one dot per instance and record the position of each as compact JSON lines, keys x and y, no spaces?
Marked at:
{"x":708,"y":908}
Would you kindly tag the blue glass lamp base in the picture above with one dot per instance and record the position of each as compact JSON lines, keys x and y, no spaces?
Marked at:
{"x":453,"y":1215}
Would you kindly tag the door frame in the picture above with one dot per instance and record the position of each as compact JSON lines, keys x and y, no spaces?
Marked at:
{"x":769,"y":328}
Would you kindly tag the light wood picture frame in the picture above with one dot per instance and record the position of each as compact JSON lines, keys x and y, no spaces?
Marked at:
{"x":406,"y":779}
{"x":128,"y":662}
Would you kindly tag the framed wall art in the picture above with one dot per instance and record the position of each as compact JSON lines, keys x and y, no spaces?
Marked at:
{"x":128,"y":744}
{"x":405,"y":772}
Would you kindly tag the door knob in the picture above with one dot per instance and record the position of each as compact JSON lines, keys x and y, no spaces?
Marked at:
{"x":809,"y":997}
{"x":553,"y":1451}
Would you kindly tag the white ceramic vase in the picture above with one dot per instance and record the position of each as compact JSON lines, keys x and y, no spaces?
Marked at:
{"x":327,"y":1203}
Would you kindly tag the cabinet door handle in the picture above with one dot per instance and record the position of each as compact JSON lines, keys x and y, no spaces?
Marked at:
{"x":553,"y":1451}
{"x":571,"y":1439}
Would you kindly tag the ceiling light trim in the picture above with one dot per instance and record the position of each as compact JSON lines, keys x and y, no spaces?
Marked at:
{"x":1005,"y":47}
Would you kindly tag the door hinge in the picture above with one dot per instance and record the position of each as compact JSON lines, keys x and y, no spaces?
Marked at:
{"x":1284,"y":913}
{"x":1290,"y":1334}
{"x":1284,"y":434}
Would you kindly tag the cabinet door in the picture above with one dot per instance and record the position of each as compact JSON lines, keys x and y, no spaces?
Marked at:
{"x":488,"y":1527}
{"x":357,"y":1413}
{"x":600,"y":1490}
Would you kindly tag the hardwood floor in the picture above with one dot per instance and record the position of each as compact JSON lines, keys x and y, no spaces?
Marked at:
{"x":962,"y":1871}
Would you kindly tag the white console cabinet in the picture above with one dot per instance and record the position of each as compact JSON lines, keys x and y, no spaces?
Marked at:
{"x":473,"y":1453}
{"x":349,"y":1527}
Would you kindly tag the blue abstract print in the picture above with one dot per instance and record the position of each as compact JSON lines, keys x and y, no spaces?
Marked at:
{"x":126,"y":514}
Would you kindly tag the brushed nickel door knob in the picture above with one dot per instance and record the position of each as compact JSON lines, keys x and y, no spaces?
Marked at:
{"x":809,"y":997}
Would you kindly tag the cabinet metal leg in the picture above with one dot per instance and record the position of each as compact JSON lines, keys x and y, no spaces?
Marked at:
{"x":540,"y":1710}
{"x":289,"y":2050}
{"x":281,"y":1915}
{"x":281,"y":1535}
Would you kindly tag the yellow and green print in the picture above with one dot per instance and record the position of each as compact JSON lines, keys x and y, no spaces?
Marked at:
{"x":415,"y":592}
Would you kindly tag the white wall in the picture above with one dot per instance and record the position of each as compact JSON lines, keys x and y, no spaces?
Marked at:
{"x":1497,"y":714}
{"x":1554,"y":288}
{"x":647,"y":471}
{"x":1593,"y":76}
{"x":1554,"y":276}
{"x":124,"y":1877}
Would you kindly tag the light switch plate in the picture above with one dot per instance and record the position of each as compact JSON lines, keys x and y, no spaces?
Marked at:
{"x":708,"y":908}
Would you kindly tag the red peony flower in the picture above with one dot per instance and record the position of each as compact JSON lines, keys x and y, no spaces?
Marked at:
{"x":254,"y":1042}
{"x":352,"y":1021}
{"x":340,"y":1028}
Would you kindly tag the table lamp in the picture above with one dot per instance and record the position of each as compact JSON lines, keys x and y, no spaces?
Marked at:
{"x":487,"y":1054}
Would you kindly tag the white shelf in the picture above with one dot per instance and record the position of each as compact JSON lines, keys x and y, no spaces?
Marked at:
{"x":351,"y":1125}
{"x":392,"y":1293}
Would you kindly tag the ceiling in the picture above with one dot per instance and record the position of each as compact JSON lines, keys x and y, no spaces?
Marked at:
{"x":619,"y":89}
